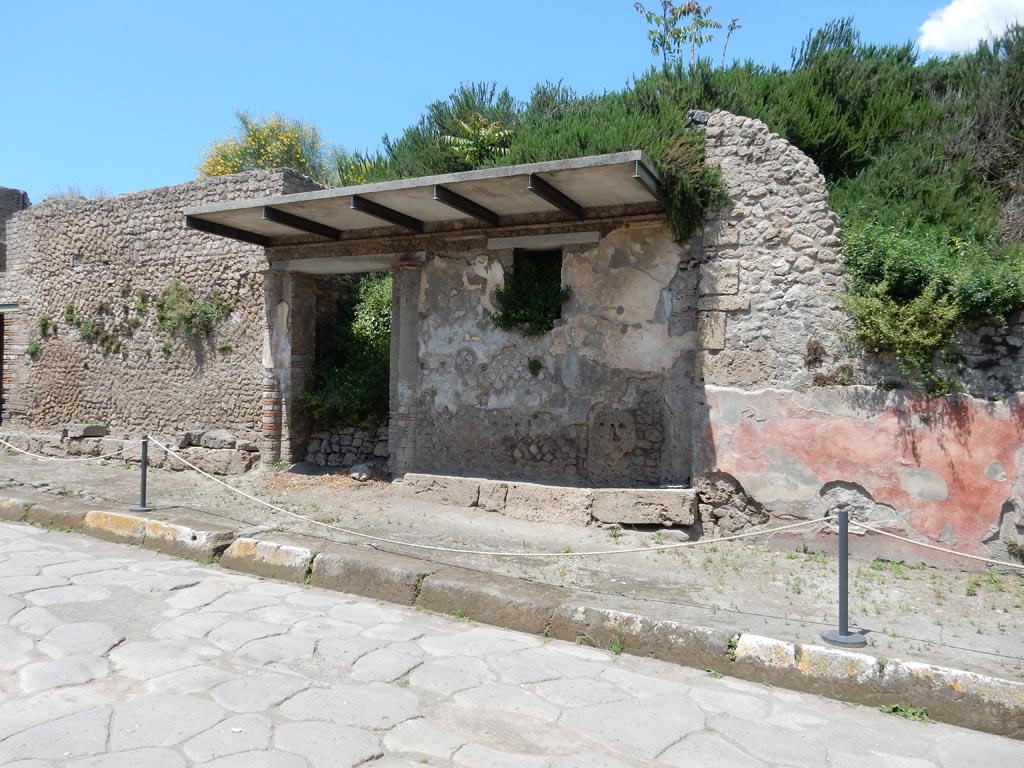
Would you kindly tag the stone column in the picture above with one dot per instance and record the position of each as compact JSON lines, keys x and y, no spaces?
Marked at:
{"x":405,"y":370}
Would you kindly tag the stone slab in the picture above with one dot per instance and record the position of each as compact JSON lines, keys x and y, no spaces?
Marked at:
{"x":492,"y":599}
{"x":77,"y":431}
{"x":13,"y":510}
{"x":643,"y":506}
{"x":692,"y":646}
{"x":115,"y":526}
{"x":57,"y":515}
{"x":268,"y":558}
{"x":371,"y":573}
{"x":183,"y":540}
{"x":439,"y":489}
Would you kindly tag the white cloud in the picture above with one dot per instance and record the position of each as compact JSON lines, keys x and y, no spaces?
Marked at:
{"x":960,"y":25}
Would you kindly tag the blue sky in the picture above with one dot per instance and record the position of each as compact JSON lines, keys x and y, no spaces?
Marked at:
{"x":121,"y":96}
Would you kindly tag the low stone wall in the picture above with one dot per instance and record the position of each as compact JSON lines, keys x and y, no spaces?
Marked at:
{"x":348,"y":446}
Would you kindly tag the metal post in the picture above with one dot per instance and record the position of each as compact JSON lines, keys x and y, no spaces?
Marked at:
{"x":141,"y":506}
{"x":843,"y":636}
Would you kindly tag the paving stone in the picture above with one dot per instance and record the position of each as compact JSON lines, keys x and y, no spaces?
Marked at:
{"x":16,"y":585}
{"x":730,"y":703}
{"x":8,"y":607}
{"x":164,"y":583}
{"x":873,"y":757}
{"x":145,"y":660}
{"x":232,"y":635}
{"x":257,"y":693}
{"x":242,"y":733}
{"x":144,"y":721}
{"x":240,"y":602}
{"x":558,"y":656}
{"x":70,"y":670}
{"x":14,"y":648}
{"x":641,"y":686}
{"x":134,"y":758}
{"x":388,"y":663}
{"x":77,"y":735}
{"x":478,"y":641}
{"x":83,"y":637}
{"x":366,"y":613}
{"x":36,"y":621}
{"x":72,"y":593}
{"x":20,"y":714}
{"x":327,"y":745}
{"x":589,"y":760}
{"x":477,"y":756}
{"x":641,"y":728}
{"x":774,"y":743}
{"x":198,"y":596}
{"x":966,"y":749}
{"x":190,"y":680}
{"x":324,"y":626}
{"x":710,"y":750}
{"x":396,"y":633}
{"x":446,"y":676}
{"x":579,"y":692}
{"x":190,"y":625}
{"x":346,"y":651}
{"x":259,"y":760}
{"x":374,"y":705}
{"x":80,"y":567}
{"x":423,"y":737}
{"x":507,"y":698}
{"x":281,"y":648}
{"x":516,"y":669}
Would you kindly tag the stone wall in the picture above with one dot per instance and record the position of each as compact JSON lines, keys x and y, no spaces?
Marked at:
{"x":108,"y":260}
{"x":11,"y":202}
{"x":348,"y":446}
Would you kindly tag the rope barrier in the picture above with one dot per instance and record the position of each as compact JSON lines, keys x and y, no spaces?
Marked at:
{"x":940,"y":549}
{"x":58,"y":458}
{"x":483,"y":552}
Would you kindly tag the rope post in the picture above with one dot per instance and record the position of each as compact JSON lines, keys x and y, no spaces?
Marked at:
{"x":141,"y":506}
{"x":843,"y":635}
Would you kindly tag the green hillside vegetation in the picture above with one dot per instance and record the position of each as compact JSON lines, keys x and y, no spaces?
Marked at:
{"x":924,"y":161}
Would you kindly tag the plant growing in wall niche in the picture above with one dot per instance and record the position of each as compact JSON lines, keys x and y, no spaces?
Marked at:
{"x":110,"y":338}
{"x":533,"y":295}
{"x":180,"y":313}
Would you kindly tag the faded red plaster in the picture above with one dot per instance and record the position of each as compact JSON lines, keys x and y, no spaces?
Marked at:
{"x":955,"y":438}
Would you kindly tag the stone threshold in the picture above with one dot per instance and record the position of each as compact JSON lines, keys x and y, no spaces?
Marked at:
{"x":952,"y":696}
{"x":555,"y":503}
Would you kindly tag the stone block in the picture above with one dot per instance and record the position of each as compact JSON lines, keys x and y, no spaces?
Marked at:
{"x":217,"y":462}
{"x":371,"y":573}
{"x":218,"y":439}
{"x":440,"y":489}
{"x":643,"y":506}
{"x":493,"y":494}
{"x":78,"y":431}
{"x":711,"y":330}
{"x":723,"y":303}
{"x":549,"y":503}
{"x":719,"y":278}
{"x":268,"y":558}
{"x":185,"y":541}
{"x":56,"y":515}
{"x":115,"y":526}
{"x":491,"y":599}
{"x":13,"y":510}
{"x":692,"y":646}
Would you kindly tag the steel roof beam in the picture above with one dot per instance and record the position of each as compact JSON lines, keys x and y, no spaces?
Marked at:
{"x":465,"y":205}
{"x":223,"y":230}
{"x":560,"y":200}
{"x":382,"y":212}
{"x":292,"y":221}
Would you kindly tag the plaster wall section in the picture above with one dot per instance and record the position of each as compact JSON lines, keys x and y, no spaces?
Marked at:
{"x":612,"y":384}
{"x":108,"y":259}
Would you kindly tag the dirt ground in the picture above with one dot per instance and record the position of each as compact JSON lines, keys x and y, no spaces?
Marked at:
{"x":972,"y":621}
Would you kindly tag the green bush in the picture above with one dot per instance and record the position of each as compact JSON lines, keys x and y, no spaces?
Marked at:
{"x":180,"y":313}
{"x":350,"y":379}
{"x":533,"y":296}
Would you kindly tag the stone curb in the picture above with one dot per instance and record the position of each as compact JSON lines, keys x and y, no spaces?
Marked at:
{"x":952,"y":696}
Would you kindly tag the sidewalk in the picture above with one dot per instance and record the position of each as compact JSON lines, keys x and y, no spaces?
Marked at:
{"x":967,"y":622}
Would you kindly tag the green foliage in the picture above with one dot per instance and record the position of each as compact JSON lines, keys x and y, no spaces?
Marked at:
{"x":267,"y":142}
{"x":908,"y":712}
{"x":533,"y":296}
{"x":349,"y":382}
{"x":180,"y":313}
{"x":534,"y":366}
{"x":668,"y":34}
{"x":478,"y":140}
{"x":46,"y":326}
{"x":912,"y":291}
{"x":33,"y":348}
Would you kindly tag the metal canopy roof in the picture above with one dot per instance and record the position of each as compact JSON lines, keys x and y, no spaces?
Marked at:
{"x":571,"y":190}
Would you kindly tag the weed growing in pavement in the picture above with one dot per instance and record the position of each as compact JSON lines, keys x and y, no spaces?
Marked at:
{"x":714,"y":673}
{"x":730,"y":648}
{"x":460,"y":615}
{"x":615,"y":531}
{"x":617,"y":645}
{"x":909,"y":712}
{"x":972,"y":585}
{"x":891,"y":566}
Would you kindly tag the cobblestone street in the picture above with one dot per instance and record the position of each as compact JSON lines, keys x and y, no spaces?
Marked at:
{"x":115,"y":656}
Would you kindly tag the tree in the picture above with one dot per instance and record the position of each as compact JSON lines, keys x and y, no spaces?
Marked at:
{"x":479,"y":141}
{"x":270,"y":142}
{"x":668,"y":34}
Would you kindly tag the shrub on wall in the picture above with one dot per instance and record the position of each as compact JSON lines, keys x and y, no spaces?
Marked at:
{"x":180,"y":313}
{"x":350,"y":378}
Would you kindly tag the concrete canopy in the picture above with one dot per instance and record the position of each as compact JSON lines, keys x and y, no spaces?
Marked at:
{"x":571,"y":190}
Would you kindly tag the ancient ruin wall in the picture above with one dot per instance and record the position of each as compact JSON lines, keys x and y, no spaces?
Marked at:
{"x":104,"y":258}
{"x":803,"y":422}
{"x":611,"y":403}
